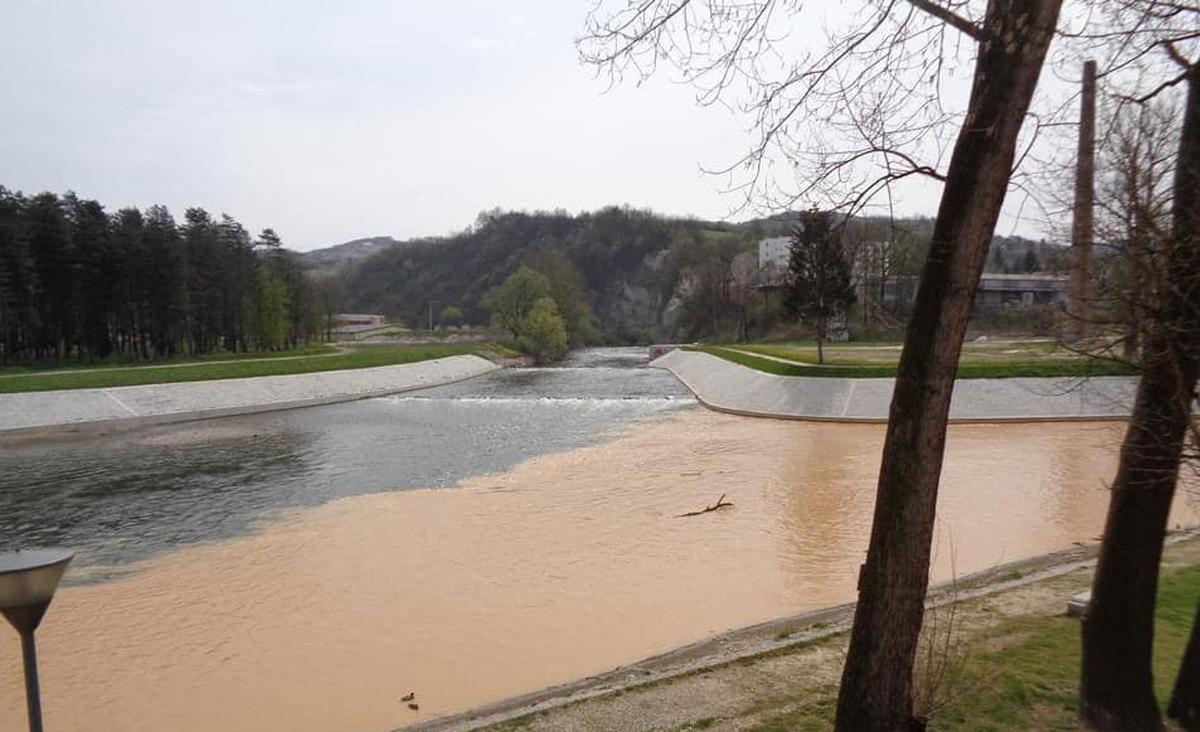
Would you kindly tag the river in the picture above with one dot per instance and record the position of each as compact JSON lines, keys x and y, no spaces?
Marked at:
{"x":304,"y":570}
{"x":126,"y":497}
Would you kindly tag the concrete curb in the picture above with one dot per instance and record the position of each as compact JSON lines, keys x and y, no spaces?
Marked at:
{"x":762,"y":639}
{"x":35,"y":415}
{"x":725,"y":386}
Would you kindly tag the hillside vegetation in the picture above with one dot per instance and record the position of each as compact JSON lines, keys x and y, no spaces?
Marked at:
{"x":643,"y":275}
{"x":629,"y":261}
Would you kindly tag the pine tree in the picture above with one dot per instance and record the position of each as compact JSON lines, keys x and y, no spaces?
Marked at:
{"x":819,"y":291}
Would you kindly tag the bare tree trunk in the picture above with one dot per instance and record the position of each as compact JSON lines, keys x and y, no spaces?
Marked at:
{"x":820,"y":350}
{"x":1083,"y":218}
{"x":1185,"y":699}
{"x":876,"y":690}
{"x":1116,"y":689}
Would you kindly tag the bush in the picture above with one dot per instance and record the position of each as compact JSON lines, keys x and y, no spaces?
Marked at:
{"x":544,"y":335}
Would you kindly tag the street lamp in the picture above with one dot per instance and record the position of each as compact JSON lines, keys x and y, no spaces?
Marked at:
{"x":28,"y":579}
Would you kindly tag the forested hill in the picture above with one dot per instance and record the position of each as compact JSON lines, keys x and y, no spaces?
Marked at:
{"x":629,"y":263}
{"x":644,"y":275}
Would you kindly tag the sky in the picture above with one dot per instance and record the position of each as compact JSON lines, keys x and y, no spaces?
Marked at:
{"x":330,"y":120}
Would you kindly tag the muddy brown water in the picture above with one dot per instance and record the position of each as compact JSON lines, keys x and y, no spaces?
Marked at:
{"x":565,"y":564}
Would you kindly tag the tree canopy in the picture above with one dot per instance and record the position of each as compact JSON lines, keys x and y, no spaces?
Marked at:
{"x":819,"y":290}
{"x":78,"y":282}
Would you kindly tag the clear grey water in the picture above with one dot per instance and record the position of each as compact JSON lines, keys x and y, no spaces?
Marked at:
{"x":123,"y":498}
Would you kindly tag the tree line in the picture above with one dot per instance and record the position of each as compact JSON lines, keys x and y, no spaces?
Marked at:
{"x":80,"y":283}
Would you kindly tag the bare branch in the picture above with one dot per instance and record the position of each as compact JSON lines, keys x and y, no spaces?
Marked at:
{"x":949,"y":17}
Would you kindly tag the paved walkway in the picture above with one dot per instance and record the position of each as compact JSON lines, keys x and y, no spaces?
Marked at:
{"x":728,"y":387}
{"x":72,"y":410}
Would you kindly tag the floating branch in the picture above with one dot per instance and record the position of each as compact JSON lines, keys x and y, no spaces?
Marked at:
{"x":721,"y":503}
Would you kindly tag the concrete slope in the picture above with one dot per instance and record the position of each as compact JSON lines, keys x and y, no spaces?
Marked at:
{"x":47,"y":412}
{"x":729,"y":387}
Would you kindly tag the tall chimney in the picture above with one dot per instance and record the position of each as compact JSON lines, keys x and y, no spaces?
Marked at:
{"x":1082,"y":222}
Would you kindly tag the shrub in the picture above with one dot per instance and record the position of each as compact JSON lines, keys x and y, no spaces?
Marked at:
{"x":544,"y":335}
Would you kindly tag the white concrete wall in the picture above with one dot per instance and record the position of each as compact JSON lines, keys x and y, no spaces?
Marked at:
{"x":726,"y":386}
{"x":78,"y":409}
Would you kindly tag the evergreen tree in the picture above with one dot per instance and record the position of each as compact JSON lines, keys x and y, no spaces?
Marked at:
{"x":819,"y":291}
{"x":53,"y":256}
{"x":99,"y":268}
{"x":166,"y":283}
{"x":132,"y":309}
{"x":18,"y":316}
{"x":78,"y":283}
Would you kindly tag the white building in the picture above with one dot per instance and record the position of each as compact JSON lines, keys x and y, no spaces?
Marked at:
{"x":776,"y":250}
{"x":773,"y":256}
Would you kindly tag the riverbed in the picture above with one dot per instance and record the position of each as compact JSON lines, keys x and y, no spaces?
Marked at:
{"x":306,"y":570}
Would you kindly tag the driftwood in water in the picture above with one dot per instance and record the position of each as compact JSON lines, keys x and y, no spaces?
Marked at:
{"x":721,"y":503}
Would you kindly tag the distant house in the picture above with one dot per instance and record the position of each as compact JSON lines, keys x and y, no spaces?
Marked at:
{"x":356,"y":326}
{"x":995,"y":291}
{"x":358,"y":319}
{"x":1020,"y":290}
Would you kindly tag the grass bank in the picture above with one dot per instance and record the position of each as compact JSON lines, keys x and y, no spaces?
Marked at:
{"x":278,"y":363}
{"x":968,"y":369}
{"x":1023,"y":674}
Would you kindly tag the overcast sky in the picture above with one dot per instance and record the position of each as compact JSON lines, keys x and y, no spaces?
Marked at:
{"x":332,"y":120}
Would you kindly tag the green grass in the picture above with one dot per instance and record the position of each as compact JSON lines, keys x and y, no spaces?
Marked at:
{"x":1001,"y":369}
{"x":128,"y":363}
{"x":857,"y":353}
{"x":272,"y":364}
{"x":1031,"y":682}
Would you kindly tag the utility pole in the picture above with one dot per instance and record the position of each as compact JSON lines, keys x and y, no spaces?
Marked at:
{"x":1082,"y":222}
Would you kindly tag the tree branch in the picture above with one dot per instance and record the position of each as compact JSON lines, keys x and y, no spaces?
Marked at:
{"x":948,"y":16}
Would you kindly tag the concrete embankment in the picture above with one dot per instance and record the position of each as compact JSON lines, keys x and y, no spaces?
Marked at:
{"x":79,"y":410}
{"x":729,"y":387}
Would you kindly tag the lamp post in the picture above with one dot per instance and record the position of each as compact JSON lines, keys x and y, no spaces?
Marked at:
{"x":28,"y":579}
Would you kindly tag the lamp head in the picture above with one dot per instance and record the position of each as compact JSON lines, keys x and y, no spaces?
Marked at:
{"x":28,"y":579}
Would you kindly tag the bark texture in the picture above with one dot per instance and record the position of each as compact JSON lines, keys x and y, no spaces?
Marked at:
{"x":1185,"y":698}
{"x":876,"y":690}
{"x":1117,"y":684}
